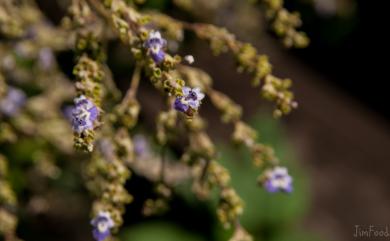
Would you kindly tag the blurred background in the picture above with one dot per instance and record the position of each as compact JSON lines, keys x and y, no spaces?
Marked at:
{"x":336,"y":143}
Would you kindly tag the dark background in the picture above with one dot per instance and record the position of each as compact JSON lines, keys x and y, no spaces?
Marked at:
{"x":350,"y":51}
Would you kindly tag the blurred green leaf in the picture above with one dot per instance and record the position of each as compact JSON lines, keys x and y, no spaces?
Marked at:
{"x":265,"y":210}
{"x":266,"y":216}
{"x":294,"y":235}
{"x":161,"y":231}
{"x":156,"y":4}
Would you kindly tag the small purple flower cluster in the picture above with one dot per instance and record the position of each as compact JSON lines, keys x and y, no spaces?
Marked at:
{"x":102,"y":224}
{"x":277,"y":179}
{"x":46,"y":58}
{"x":11,"y":104}
{"x":141,"y":146}
{"x":155,"y":45}
{"x":84,"y":114}
{"x":190,"y":101}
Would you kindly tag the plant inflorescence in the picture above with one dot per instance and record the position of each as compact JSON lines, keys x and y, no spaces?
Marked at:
{"x":36,"y":96}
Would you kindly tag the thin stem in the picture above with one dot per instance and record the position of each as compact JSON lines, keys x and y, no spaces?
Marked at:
{"x":98,"y":8}
{"x":237,"y":223}
{"x":204,"y":171}
{"x":132,"y":91}
{"x":110,"y":84}
{"x":163,"y":164}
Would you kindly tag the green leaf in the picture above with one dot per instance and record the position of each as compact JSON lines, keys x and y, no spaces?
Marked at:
{"x":161,"y":231}
{"x":274,"y":212}
{"x":296,"y":235}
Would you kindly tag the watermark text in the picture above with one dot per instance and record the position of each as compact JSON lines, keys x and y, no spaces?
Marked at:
{"x":371,"y":231}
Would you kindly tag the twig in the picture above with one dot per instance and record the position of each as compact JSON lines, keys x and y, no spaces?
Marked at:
{"x":95,"y":5}
{"x":163,"y":163}
{"x":132,"y":91}
{"x":204,"y":171}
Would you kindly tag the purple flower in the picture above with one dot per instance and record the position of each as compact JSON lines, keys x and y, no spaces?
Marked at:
{"x":141,"y":146}
{"x":191,"y":99}
{"x":102,"y":224}
{"x":277,"y":179}
{"x":67,"y":111}
{"x":84,"y":114}
{"x":180,"y":105}
{"x":155,"y":45}
{"x":11,"y":104}
{"x":107,"y":149}
{"x":46,"y":58}
{"x":30,"y":33}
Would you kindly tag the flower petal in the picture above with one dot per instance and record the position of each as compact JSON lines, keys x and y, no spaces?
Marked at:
{"x":186,"y":90}
{"x":194,"y":104}
{"x":180,"y":106}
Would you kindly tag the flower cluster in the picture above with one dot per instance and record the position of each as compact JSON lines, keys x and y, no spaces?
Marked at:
{"x":106,"y":173}
{"x":155,"y":45}
{"x":110,"y":166}
{"x":46,"y":58}
{"x":141,"y":146}
{"x":190,"y":101}
{"x":102,"y":224}
{"x":12,"y":102}
{"x":8,"y":219}
{"x":277,"y":179}
{"x":285,"y":24}
{"x":84,"y":114}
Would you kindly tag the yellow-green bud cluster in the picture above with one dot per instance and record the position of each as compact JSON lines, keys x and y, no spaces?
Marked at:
{"x":106,"y":180}
{"x":230,"y":207}
{"x":166,"y":126}
{"x":8,"y":203}
{"x":285,"y":23}
{"x":89,"y":75}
